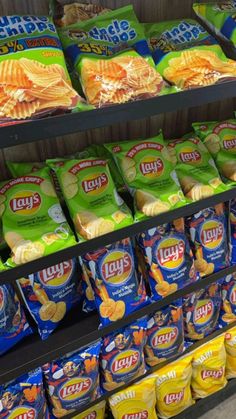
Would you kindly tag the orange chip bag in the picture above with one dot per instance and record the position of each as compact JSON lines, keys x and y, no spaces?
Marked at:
{"x":230,"y":346}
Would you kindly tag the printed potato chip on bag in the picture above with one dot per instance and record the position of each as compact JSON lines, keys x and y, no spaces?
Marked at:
{"x":136,"y":401}
{"x":119,"y":290}
{"x":219,"y":18}
{"x":186,"y":55}
{"x":201,"y":311}
{"x":195,"y":168}
{"x":169,"y":263}
{"x":230,"y":347}
{"x":112,"y":59}
{"x":207,"y":231}
{"x":165,"y":334}
{"x":208,"y":365}
{"x":73,"y":381}
{"x":122,"y":357}
{"x":94,"y":204}
{"x":33,"y":221}
{"x":149,"y":174}
{"x":34,"y":80}
{"x":51,"y":293}
{"x":228,"y":306}
{"x":24,"y":397}
{"x":173,"y":387}
{"x":220,"y":140}
{"x":95,"y":412}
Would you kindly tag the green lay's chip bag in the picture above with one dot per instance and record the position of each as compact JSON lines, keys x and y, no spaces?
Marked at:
{"x":149,"y":174}
{"x":33,"y":221}
{"x":112,"y":58}
{"x":22,"y":169}
{"x":91,"y":196}
{"x":196,"y":170}
{"x":219,"y":17}
{"x":220,"y":140}
{"x":186,"y":55}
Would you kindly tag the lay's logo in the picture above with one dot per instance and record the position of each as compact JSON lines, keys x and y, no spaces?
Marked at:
{"x":139,"y":415}
{"x":57,"y":275}
{"x":170,"y":253}
{"x":2,"y":299}
{"x":25,"y":202}
{"x":191,"y":156}
{"x":75,"y":388}
{"x":22,"y":413}
{"x":91,"y":415}
{"x":125,"y":362}
{"x":212,"y":233}
{"x":164,"y":338}
{"x":230,"y":144}
{"x":212,"y":373}
{"x":203,"y":312}
{"x":151,"y":167}
{"x":116,"y":267}
{"x":174,"y":397}
{"x":95,"y":184}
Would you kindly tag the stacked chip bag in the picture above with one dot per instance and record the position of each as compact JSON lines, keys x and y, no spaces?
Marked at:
{"x":137,"y":401}
{"x":208,"y":365}
{"x":119,"y":289}
{"x":173,"y":387}
{"x":33,"y":221}
{"x":18,"y":169}
{"x":73,"y":381}
{"x":149,"y":174}
{"x":112,"y":59}
{"x":207,"y":231}
{"x":201,"y":312}
{"x":165,"y":334}
{"x":122,"y":357}
{"x":186,"y":55}
{"x":24,"y":397}
{"x":220,"y":18}
{"x":228,"y":307}
{"x":51,"y":293}
{"x":168,"y":258}
{"x":33,"y":75}
{"x":94,"y":204}
{"x":230,"y":347}
{"x":87,"y":291}
{"x":195,"y":168}
{"x":95,"y":412}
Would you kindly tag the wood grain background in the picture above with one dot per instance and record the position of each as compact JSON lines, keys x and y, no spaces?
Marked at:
{"x":173,"y":124}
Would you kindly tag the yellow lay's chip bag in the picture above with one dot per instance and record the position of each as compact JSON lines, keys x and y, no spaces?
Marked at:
{"x":95,"y":412}
{"x":208,"y":364}
{"x":230,"y":347}
{"x":135,"y":402}
{"x":173,"y":387}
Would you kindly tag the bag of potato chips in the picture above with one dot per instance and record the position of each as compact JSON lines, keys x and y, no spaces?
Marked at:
{"x":220,"y":18}
{"x":186,"y":55}
{"x":232,"y":230}
{"x":228,"y":306}
{"x":149,"y":174}
{"x":165,"y":334}
{"x":119,"y":290}
{"x":208,"y":364}
{"x":95,"y":412}
{"x":168,"y":258}
{"x":136,"y":401}
{"x":173,"y":387}
{"x":22,"y":169}
{"x":89,"y":304}
{"x":230,"y":347}
{"x":112,"y":58}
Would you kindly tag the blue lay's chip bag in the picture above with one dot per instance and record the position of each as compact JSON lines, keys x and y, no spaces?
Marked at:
{"x":24,"y":397}
{"x":165,"y":334}
{"x":232,"y":227}
{"x":168,"y":257}
{"x":73,"y":381}
{"x":51,"y":293}
{"x":201,"y":312}
{"x":122,"y":357}
{"x":119,"y":289}
{"x":87,"y":291}
{"x":13,"y":324}
{"x":208,"y":237}
{"x":228,"y":307}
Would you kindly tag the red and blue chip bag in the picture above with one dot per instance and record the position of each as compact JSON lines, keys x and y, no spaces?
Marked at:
{"x":73,"y":381}
{"x":87,"y":291}
{"x":168,"y":258}
{"x":24,"y":397}
{"x":228,"y":307}
{"x":119,"y":289}
{"x":13,"y":324}
{"x":51,"y":293}
{"x":165,"y":334}
{"x":232,"y":228}
{"x":207,"y":231}
{"x":122,"y":357}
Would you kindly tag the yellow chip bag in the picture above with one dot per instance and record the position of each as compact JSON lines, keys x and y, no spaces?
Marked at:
{"x":209,"y":368}
{"x":135,"y":402}
{"x":173,"y":387}
{"x":95,"y":412}
{"x":230,"y":346}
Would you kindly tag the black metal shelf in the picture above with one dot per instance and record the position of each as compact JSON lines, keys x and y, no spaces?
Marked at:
{"x":130,"y":231}
{"x":25,"y":132}
{"x":72,"y":335}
